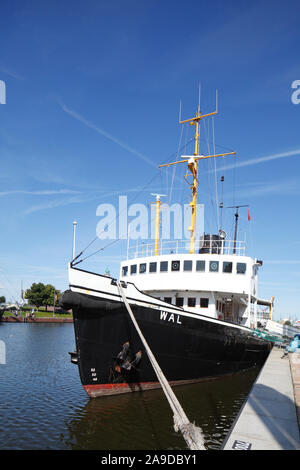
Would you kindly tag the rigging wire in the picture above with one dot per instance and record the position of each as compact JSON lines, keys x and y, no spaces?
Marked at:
{"x":234,"y":182}
{"x":215,"y":168}
{"x":213,"y":216}
{"x":174,"y":168}
{"x":187,"y":142}
{"x":116,"y":218}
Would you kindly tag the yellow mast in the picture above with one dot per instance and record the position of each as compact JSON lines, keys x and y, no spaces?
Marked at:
{"x":157,"y":222}
{"x":192,"y":162}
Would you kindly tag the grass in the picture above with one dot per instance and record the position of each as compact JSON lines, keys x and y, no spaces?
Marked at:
{"x":41,"y":314}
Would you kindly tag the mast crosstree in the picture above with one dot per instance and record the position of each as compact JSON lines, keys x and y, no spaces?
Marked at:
{"x":192,"y":163}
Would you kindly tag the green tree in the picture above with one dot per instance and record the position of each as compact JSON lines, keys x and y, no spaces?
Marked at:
{"x":41,"y":295}
{"x":2,"y":299}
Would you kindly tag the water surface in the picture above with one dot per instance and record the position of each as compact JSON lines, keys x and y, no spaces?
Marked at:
{"x":43,"y":405}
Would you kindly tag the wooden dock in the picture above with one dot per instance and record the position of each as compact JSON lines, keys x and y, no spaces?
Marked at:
{"x":270,"y":416}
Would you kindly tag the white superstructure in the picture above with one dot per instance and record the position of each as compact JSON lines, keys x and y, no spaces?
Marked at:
{"x":214,"y":283}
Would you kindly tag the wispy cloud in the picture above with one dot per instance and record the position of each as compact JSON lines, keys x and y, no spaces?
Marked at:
{"x":286,"y":187}
{"x":256,"y":161}
{"x":59,"y":202}
{"x":11,"y":73}
{"x":45,"y":192}
{"x":98,"y":129}
{"x":77,"y":198}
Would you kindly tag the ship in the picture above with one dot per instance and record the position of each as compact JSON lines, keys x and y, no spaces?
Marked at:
{"x":194,"y":301}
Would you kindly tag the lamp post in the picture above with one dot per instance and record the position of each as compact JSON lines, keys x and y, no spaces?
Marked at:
{"x":74,"y":237}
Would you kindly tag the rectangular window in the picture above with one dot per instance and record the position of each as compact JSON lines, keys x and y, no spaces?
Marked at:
{"x":124,"y":270}
{"x":152,"y":267}
{"x":142,"y":268}
{"x":204,"y":303}
{"x":192,"y":302}
{"x":200,"y":265}
{"x":179,"y":301}
{"x":163,"y":266}
{"x":133,"y":269}
{"x":227,"y":267}
{"x":168,"y":299}
{"x":187,"y":265}
{"x":241,"y":268}
{"x":214,"y":266}
{"x":175,"y":265}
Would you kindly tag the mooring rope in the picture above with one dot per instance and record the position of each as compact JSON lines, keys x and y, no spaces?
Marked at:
{"x":191,"y":433}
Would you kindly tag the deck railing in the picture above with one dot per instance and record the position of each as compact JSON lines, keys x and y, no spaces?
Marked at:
{"x":143,"y":249}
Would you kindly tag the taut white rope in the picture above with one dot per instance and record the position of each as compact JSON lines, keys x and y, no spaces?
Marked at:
{"x":191,"y":433}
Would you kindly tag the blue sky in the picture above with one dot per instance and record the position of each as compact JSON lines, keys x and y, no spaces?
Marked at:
{"x":92,"y":102}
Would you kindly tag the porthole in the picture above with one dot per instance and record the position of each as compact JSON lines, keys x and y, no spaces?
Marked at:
{"x":214,"y":266}
{"x":175,"y":265}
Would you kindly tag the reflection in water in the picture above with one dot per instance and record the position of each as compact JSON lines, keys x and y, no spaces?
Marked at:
{"x":144,"y":420}
{"x":43,"y":406}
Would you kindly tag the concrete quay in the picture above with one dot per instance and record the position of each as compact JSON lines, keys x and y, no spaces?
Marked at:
{"x":270,"y":416}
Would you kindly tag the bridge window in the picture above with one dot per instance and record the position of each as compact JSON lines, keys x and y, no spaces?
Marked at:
{"x":227,"y":267}
{"x":204,"y":302}
{"x":124,"y":270}
{"x":241,"y":268}
{"x":142,"y":268}
{"x":214,"y":266}
{"x":179,"y":301}
{"x":192,"y":302}
{"x":175,"y":266}
{"x":200,"y":265}
{"x":163,"y":266}
{"x":133,"y":269}
{"x":187,"y":265}
{"x":152,"y":267}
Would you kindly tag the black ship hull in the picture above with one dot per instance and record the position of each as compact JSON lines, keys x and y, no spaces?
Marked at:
{"x":189,"y":348}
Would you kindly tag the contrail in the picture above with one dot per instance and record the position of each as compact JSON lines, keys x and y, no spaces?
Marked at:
{"x":39,"y":193}
{"x":256,"y":161}
{"x":89,"y":124}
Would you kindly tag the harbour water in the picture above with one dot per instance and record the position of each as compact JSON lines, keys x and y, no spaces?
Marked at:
{"x":43,"y":405}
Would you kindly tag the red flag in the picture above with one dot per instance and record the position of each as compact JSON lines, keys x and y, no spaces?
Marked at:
{"x":249,"y":218}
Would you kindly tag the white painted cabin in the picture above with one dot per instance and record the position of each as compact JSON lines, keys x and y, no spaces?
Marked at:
{"x":217,"y":283}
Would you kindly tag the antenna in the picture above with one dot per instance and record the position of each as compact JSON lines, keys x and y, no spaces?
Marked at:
{"x":158,"y":196}
{"x":236,"y":223}
{"x":180,"y":110}
{"x":192,"y":163}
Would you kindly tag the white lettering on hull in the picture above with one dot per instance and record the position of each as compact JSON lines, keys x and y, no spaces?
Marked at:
{"x":170,"y":317}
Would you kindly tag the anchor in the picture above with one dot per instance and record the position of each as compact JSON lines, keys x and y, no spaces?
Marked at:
{"x":125,"y":363}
